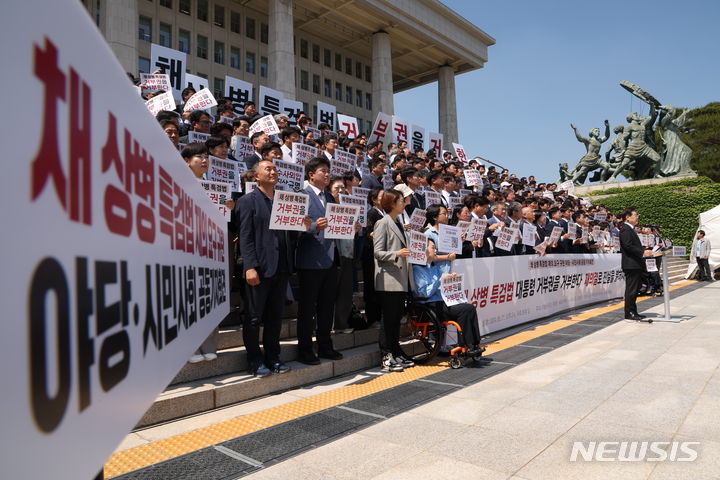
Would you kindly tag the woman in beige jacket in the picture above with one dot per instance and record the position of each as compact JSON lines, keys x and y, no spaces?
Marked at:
{"x":391,"y":279}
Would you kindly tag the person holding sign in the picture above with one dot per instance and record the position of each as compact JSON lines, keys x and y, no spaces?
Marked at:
{"x":391,"y":279}
{"x":427,"y":281}
{"x":434,"y":217}
{"x":316,"y":260}
{"x":267,"y":264}
{"x":632,"y":262}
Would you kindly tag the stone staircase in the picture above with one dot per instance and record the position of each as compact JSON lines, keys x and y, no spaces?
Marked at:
{"x":677,"y":268}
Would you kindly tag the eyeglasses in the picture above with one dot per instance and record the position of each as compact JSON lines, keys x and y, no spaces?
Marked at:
{"x":204,"y":122}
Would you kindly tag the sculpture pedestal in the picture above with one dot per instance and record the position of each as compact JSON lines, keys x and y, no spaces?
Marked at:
{"x":598,"y":187}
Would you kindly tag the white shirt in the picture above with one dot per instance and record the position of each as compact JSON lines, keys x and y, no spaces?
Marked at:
{"x":327,"y":154}
{"x":287,"y":154}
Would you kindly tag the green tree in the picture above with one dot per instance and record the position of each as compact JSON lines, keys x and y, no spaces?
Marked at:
{"x":702,"y":134}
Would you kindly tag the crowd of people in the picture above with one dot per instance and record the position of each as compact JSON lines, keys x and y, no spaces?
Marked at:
{"x":398,"y":180}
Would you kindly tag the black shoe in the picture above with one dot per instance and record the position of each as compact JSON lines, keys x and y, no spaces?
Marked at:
{"x":331,"y":355}
{"x":279,"y":367}
{"x":640,"y":315}
{"x":308,"y":359}
{"x":258,"y":369}
{"x":633,"y":316}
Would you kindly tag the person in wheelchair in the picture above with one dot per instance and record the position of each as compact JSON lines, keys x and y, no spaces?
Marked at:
{"x":426,"y":290}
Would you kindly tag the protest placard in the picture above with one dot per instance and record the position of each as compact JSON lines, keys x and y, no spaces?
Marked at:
{"x":506,"y":239}
{"x":289,"y":211}
{"x":449,"y":239}
{"x":243,"y":147}
{"x":265,"y":124}
{"x":202,"y":100}
{"x":432,"y":198}
{"x":585,"y":234}
{"x":342,"y":163}
{"x":172,"y":63}
{"x":360,"y":192}
{"x":572,"y":231}
{"x":549,"y":195}
{"x":417,"y":243}
{"x":195,"y":82}
{"x":316,"y":133}
{"x":290,"y":175}
{"x":472,"y":177}
{"x":541,"y":247}
{"x":600,"y":216}
{"x":515,"y":226}
{"x":250,"y":186}
{"x":348,"y":125}
{"x":301,"y":153}
{"x":417,"y":139}
{"x":270,"y":101}
{"x":380,"y":128}
{"x":464,"y":192}
{"x":292,"y":108}
{"x":153,"y":82}
{"x":476,"y":231}
{"x":161,"y":103}
{"x":400,"y":128}
{"x":567,"y":186}
{"x":417,"y":219}
{"x":219,"y":193}
{"x":451,"y":289}
{"x":224,"y":171}
{"x":452,"y":203}
{"x":360,"y":202}
{"x":239,"y":91}
{"x":679,"y":251}
{"x":388,"y":182}
{"x":555,"y":235}
{"x":463,"y":226}
{"x":436,"y":143}
{"x":460,"y":152}
{"x":616,"y":243}
{"x":326,"y":113}
{"x":651,"y":265}
{"x":529,"y":235}
{"x":341,"y":221}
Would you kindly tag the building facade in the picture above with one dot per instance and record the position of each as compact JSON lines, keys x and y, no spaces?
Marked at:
{"x":354,"y":54}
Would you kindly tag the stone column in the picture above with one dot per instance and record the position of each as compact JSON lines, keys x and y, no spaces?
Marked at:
{"x":119,"y":23}
{"x":281,"y":59}
{"x":382,"y":82}
{"x":447,"y":109}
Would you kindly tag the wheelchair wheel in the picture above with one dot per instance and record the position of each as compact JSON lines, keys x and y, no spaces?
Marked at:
{"x":420,"y":333}
{"x":455,"y":362}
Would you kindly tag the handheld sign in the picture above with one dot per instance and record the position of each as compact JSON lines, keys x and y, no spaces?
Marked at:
{"x":417,"y":219}
{"x":451,"y":290}
{"x":432,"y":198}
{"x":301,"y":153}
{"x":463,"y":226}
{"x":224,"y":171}
{"x":202,"y":100}
{"x":505,"y":240}
{"x":348,"y":125}
{"x":601,"y":216}
{"x":89,"y":338}
{"x":219,"y":193}
{"x":450,"y":240}
{"x":194,"y":137}
{"x":679,"y":251}
{"x":290,"y":175}
{"x":341,"y":221}
{"x":572,"y":231}
{"x":360,"y":202}
{"x":152,"y":82}
{"x":460,"y":152}
{"x":528,"y":234}
{"x":161,"y":103}
{"x":243,"y":147}
{"x":472,"y":177}
{"x":651,"y":265}
{"x":568,"y":186}
{"x":289,"y":211}
{"x":265,"y":124}
{"x":476,"y":231}
{"x":342,"y":163}
{"x":417,"y":242}
{"x":250,"y":186}
{"x":555,"y":235}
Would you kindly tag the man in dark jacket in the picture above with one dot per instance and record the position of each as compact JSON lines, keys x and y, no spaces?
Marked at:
{"x":632,"y":262}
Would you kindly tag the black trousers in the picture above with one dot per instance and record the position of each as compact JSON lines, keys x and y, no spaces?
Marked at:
{"x":632,"y":284}
{"x":264,"y":306}
{"x":704,"y":267}
{"x":370,"y":296}
{"x":392,"y":305}
{"x":315,"y":307}
{"x":464,"y":315}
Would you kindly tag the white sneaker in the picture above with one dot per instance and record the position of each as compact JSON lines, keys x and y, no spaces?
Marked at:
{"x":196,"y":358}
{"x":390,"y":365}
{"x":404,"y":362}
{"x":210,"y":356}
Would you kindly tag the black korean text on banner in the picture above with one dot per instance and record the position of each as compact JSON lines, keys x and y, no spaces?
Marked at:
{"x":472,"y":177}
{"x":292,"y":109}
{"x":153,"y":82}
{"x":417,"y":244}
{"x":239,"y":91}
{"x":160,"y":103}
{"x":341,"y":221}
{"x":417,"y":139}
{"x":219,"y":193}
{"x":302,"y":153}
{"x":101,"y":316}
{"x":290,"y":175}
{"x":381,"y":131}
{"x":348,"y":125}
{"x":172,"y":62}
{"x":326,"y":114}
{"x":243,"y":147}
{"x":476,"y":230}
{"x":342,"y":163}
{"x":224,"y":171}
{"x":436,"y":143}
{"x":451,"y":290}
{"x":195,"y":82}
{"x":400,"y":129}
{"x":289,"y":211}
{"x":270,"y":101}
{"x":432,"y":198}
{"x":202,"y":100}
{"x":316,"y":133}
{"x":360,"y":202}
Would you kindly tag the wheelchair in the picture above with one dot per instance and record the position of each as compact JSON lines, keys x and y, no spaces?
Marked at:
{"x":422,"y":334}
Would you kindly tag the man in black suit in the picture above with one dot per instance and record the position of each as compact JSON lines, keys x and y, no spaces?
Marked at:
{"x":258,"y":140}
{"x":268,"y":257}
{"x":411,"y":178}
{"x":632,"y":262}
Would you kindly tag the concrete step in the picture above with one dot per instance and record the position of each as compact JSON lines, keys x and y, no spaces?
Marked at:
{"x":199,"y":396}
{"x":234,"y":359}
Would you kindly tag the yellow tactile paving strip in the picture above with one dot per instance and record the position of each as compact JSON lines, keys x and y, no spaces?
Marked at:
{"x":144,"y":455}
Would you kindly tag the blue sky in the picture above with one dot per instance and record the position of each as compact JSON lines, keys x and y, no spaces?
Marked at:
{"x":558,"y":62}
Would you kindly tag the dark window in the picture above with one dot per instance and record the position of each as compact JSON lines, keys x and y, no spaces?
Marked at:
{"x":316,"y":53}
{"x":338,"y":62}
{"x":348,"y":66}
{"x":264,"y":67}
{"x":184,"y":41}
{"x":166,"y":3}
{"x":219,"y":52}
{"x":250,"y":62}
{"x":145,"y":29}
{"x":316,"y":83}
{"x":234,"y":22}
{"x":303,"y":48}
{"x":338,"y":91}
{"x":250,"y":27}
{"x":219,"y":87}
{"x":202,"y":10}
{"x":143,"y":65}
{"x":304,"y":79}
{"x":235,"y":57}
{"x":202,"y":46}
{"x":219,"y":16}
{"x":328,"y":57}
{"x":328,"y":88}
{"x":165,"y":35}
{"x":264,"y":34}
{"x":368,"y":101}
{"x":349,"y":95}
{"x":368,"y":73}
{"x":358,"y":98}
{"x":358,"y":70}
{"x":184,"y":6}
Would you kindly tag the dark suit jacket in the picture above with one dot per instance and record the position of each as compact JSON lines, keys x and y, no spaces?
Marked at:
{"x":370,"y":181}
{"x":251,"y":160}
{"x":259,"y":246}
{"x":314,"y":252}
{"x":416,"y":201}
{"x":631,"y":249}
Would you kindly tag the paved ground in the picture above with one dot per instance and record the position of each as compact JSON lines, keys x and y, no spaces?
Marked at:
{"x":627,"y":382}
